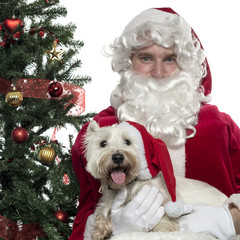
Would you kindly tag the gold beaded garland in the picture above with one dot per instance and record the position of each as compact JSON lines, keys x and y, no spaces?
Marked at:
{"x":47,"y":154}
{"x":14,"y":98}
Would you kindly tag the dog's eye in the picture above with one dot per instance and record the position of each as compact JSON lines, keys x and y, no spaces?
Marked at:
{"x":103,"y":144}
{"x":127,"y":142}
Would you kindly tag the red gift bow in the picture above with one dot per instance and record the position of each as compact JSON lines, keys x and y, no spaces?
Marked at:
{"x":38,"y":88}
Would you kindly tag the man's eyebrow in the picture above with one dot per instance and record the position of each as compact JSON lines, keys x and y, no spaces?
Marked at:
{"x":171,"y":55}
{"x":145,"y":54}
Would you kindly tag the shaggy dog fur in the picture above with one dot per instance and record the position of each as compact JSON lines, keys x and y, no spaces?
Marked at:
{"x":111,"y":156}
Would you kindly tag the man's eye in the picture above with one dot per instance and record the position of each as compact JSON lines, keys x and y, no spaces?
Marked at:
{"x":146,"y":59}
{"x":170,"y":59}
{"x":103,"y":144}
{"x":127,"y":142}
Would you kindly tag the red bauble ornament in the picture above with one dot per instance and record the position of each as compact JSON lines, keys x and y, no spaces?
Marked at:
{"x":17,"y":35}
{"x":41,"y":34}
{"x":61,"y":216}
{"x":19,"y":135}
{"x":10,"y":160}
{"x":32,"y":31}
{"x":55,"y":89}
{"x":12,"y":24}
{"x":3,"y":44}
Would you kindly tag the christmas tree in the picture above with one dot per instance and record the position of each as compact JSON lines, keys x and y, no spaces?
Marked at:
{"x":39,"y":92}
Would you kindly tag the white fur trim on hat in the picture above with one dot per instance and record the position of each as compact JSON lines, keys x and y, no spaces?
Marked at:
{"x":154,"y":15}
{"x":134,"y":133}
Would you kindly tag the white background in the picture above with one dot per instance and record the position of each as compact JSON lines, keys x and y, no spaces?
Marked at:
{"x":217,"y":24}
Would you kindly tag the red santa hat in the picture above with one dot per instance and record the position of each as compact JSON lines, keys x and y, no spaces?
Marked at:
{"x":154,"y":157}
{"x":160,"y":15}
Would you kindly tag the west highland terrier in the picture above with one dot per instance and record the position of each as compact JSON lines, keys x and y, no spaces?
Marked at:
{"x":112,"y":155}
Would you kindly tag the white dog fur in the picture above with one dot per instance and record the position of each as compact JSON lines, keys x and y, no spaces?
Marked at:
{"x":100,"y":145}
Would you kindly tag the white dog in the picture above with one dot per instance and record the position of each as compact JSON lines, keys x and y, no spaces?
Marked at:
{"x":112,"y":155}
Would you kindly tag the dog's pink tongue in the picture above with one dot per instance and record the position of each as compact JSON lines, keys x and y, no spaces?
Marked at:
{"x":118,"y":177}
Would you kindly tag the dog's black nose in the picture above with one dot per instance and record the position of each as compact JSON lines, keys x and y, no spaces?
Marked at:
{"x":117,"y":158}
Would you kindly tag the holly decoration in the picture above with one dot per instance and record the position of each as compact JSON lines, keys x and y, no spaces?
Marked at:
{"x":19,"y":135}
{"x":14,"y":98}
{"x":12,"y":31}
{"x":42,"y":32}
{"x":55,"y":89}
{"x":47,"y":154}
{"x":5,"y":44}
{"x":61,"y":216}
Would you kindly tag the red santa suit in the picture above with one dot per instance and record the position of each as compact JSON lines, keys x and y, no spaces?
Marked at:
{"x":211,"y":156}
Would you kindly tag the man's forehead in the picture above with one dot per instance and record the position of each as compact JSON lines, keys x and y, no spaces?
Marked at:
{"x":149,"y":50}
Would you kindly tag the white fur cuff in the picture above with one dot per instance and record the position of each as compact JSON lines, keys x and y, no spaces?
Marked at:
{"x":179,"y":235}
{"x":235,"y":200}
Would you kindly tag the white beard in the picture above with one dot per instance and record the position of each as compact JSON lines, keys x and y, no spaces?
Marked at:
{"x":166,"y":106}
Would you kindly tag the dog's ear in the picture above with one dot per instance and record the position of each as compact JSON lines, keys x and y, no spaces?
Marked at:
{"x":93,"y":126}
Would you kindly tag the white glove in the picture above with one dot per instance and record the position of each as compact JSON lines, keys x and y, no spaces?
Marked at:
{"x":214,"y":220}
{"x":141,"y":214}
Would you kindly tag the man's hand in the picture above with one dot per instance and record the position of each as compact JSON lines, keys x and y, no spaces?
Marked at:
{"x":214,"y":220}
{"x":141,"y":214}
{"x":236,"y":218}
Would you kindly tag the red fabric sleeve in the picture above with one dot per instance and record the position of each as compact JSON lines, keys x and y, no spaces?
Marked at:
{"x":213,"y":154}
{"x":234,"y":149}
{"x":89,"y":186}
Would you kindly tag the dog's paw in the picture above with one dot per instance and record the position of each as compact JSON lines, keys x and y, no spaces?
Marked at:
{"x":167,"y":224}
{"x":102,"y":229}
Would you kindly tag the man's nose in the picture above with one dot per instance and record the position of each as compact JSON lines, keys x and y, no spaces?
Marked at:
{"x":157,"y":70}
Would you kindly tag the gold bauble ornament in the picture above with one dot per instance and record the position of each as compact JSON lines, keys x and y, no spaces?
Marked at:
{"x":47,"y":154}
{"x":14,"y":98}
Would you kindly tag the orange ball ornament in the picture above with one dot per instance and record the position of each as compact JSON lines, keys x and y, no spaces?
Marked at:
{"x":61,"y":216}
{"x":47,"y":154}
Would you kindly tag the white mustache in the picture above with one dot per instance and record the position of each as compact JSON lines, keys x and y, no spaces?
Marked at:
{"x":162,"y":84}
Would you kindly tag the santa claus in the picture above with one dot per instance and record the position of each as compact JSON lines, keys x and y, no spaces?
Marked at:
{"x":165,"y":86}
